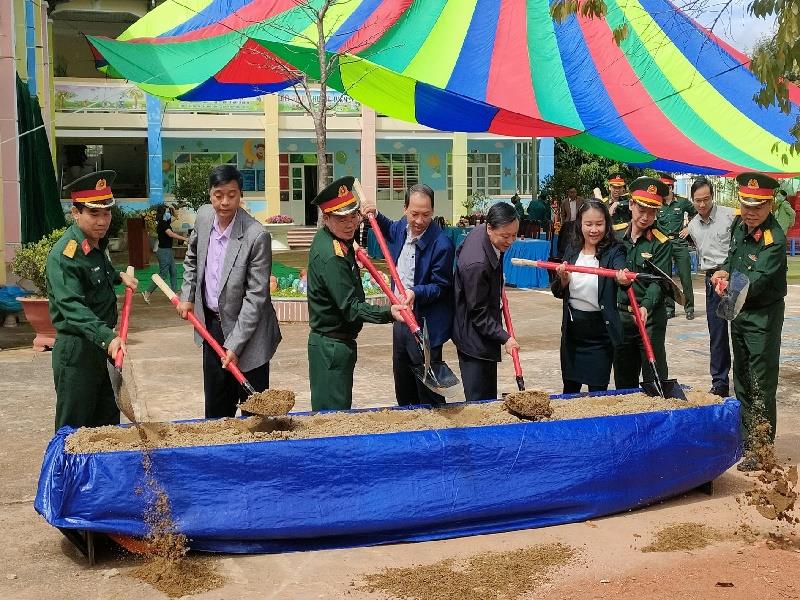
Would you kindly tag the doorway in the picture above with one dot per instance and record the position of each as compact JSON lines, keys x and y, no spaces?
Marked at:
{"x":310,"y":192}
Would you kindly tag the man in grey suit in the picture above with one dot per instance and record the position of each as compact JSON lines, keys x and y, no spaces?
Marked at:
{"x":226,"y":285}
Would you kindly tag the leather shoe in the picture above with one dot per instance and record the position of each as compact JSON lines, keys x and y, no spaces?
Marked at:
{"x":689,"y":314}
{"x":670,"y":314}
{"x":719,"y":391}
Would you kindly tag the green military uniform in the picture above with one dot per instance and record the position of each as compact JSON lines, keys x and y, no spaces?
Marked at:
{"x":756,"y":331}
{"x":621,"y":218}
{"x":83,"y":308}
{"x":539,"y":212}
{"x":337,"y":308}
{"x":653,"y":245}
{"x":670,"y":220}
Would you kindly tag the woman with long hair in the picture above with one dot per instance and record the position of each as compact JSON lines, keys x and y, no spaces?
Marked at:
{"x":166,"y":258}
{"x":590,"y":326}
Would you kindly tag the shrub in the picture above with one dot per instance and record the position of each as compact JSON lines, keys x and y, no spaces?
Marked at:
{"x":30,"y":261}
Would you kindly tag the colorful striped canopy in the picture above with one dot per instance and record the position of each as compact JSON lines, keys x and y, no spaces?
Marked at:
{"x":671,"y":96}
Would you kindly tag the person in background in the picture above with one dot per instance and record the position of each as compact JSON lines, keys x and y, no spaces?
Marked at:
{"x":758,"y":251}
{"x":166,"y":258}
{"x":568,"y":212}
{"x":618,"y":205}
{"x":590,"y":324}
{"x":670,"y":220}
{"x":643,"y":242}
{"x":710,"y":229}
{"x":83,"y":307}
{"x":539,"y":215}
{"x":783,"y":211}
{"x":424,"y":257}
{"x":226,"y":285}
{"x":337,"y":308}
{"x":478,"y":331}
{"x":524,"y":229}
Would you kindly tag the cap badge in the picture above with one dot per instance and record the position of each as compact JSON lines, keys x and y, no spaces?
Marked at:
{"x":651,"y":189}
{"x":101,"y":184}
{"x":343,"y":191}
{"x":752,"y":184}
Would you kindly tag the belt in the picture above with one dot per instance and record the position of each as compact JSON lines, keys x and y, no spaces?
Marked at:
{"x":345,"y":337}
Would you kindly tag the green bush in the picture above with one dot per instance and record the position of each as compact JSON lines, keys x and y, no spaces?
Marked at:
{"x":30,"y":261}
{"x":191,"y":185}
{"x":118,"y":218}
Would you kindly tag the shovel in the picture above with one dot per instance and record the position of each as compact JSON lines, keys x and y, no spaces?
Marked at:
{"x":668,"y":388}
{"x":515,"y":351}
{"x":669,"y":286}
{"x":735,"y":293}
{"x":123,"y":393}
{"x":438,"y":377}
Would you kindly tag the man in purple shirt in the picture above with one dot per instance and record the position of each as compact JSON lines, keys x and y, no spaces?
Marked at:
{"x":226,"y":284}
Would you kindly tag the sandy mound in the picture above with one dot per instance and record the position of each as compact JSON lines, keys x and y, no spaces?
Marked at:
{"x":531,"y":404}
{"x":270,"y":403}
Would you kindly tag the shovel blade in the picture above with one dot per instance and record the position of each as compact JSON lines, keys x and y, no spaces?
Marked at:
{"x":670,"y":387}
{"x":732,"y":302}
{"x":122,"y":395}
{"x":439,"y":378}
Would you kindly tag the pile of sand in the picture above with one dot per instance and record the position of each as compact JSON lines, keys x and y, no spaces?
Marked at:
{"x":495,"y":575}
{"x":270,"y":403}
{"x":684,"y":536}
{"x":255,"y":429}
{"x":530,"y":404}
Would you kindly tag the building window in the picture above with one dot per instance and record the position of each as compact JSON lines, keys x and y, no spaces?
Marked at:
{"x":484,"y":172}
{"x":395,"y":173}
{"x":525,"y":167}
{"x":292,"y":173}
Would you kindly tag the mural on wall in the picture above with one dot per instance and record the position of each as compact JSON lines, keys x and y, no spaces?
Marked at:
{"x":253,"y":152}
{"x":434,"y":162}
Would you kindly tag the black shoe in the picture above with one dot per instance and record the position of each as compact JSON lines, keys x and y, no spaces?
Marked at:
{"x":720,"y":391}
{"x":670,"y":314}
{"x":689,"y":314}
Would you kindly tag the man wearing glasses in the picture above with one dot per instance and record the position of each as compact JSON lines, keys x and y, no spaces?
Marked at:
{"x":710,"y":229}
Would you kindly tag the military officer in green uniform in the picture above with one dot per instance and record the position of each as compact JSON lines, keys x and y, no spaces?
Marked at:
{"x":336,"y":303}
{"x":758,"y":250}
{"x":673,"y":218}
{"x":643,"y":242}
{"x":618,"y":205}
{"x":83,"y":307}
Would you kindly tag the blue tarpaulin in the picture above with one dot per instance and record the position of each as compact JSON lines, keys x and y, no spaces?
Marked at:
{"x":410,"y":486}
{"x":8,"y":298}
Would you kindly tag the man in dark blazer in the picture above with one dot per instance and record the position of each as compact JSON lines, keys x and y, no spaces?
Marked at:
{"x":477,"y":327}
{"x":226,"y":285}
{"x":424,"y":257}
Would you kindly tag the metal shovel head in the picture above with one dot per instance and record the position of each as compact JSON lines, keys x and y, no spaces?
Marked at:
{"x":426,"y":346}
{"x":732,"y":302}
{"x":669,"y":286}
{"x":439,"y":378}
{"x":671,"y":388}
{"x":122,"y":395}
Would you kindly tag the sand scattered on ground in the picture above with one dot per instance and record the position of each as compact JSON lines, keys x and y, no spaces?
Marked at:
{"x":530,"y":404}
{"x":270,"y":403}
{"x":489,"y":575}
{"x":255,"y":429}
{"x":190,"y":575}
{"x":684,"y":536}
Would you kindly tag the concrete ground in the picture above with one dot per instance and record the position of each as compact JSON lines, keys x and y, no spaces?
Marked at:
{"x":37,"y":562}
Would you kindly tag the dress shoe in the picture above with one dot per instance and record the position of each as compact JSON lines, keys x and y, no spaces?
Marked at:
{"x":720,"y":391}
{"x":670,"y":314}
{"x":689,"y":314}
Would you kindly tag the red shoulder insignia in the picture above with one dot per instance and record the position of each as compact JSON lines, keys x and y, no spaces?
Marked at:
{"x":757,"y":235}
{"x":86,"y":247}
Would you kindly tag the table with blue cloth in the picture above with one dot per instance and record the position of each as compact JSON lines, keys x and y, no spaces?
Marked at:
{"x":527,"y":277}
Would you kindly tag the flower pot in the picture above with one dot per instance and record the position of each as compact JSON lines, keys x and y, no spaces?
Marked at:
{"x":279,"y":234}
{"x":37,"y":313}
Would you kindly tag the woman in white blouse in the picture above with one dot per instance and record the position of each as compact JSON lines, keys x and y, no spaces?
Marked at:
{"x":590,"y":326}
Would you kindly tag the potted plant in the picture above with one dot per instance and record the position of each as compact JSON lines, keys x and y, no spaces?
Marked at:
{"x":29,"y":264}
{"x":116,"y":232}
{"x":278,"y":227}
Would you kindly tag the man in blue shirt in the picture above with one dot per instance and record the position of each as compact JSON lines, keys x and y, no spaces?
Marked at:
{"x":424,"y":257}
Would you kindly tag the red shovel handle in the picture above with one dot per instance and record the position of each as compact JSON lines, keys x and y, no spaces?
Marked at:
{"x":552,"y":266}
{"x":123,"y":322}
{"x":408,"y":316}
{"x":510,"y":327}
{"x":637,"y":316}
{"x":387,"y":255}
{"x":173,"y":297}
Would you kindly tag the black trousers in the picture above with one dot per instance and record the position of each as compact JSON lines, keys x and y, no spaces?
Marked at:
{"x":479,"y":377}
{"x":573,"y":387}
{"x":719,"y":340}
{"x":565,"y":237}
{"x":222,"y":391}
{"x":405,"y":353}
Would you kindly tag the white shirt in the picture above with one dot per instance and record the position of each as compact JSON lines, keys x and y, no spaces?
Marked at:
{"x":573,"y":210}
{"x":583,"y":286}
{"x":712,"y":237}
{"x":406,"y":262}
